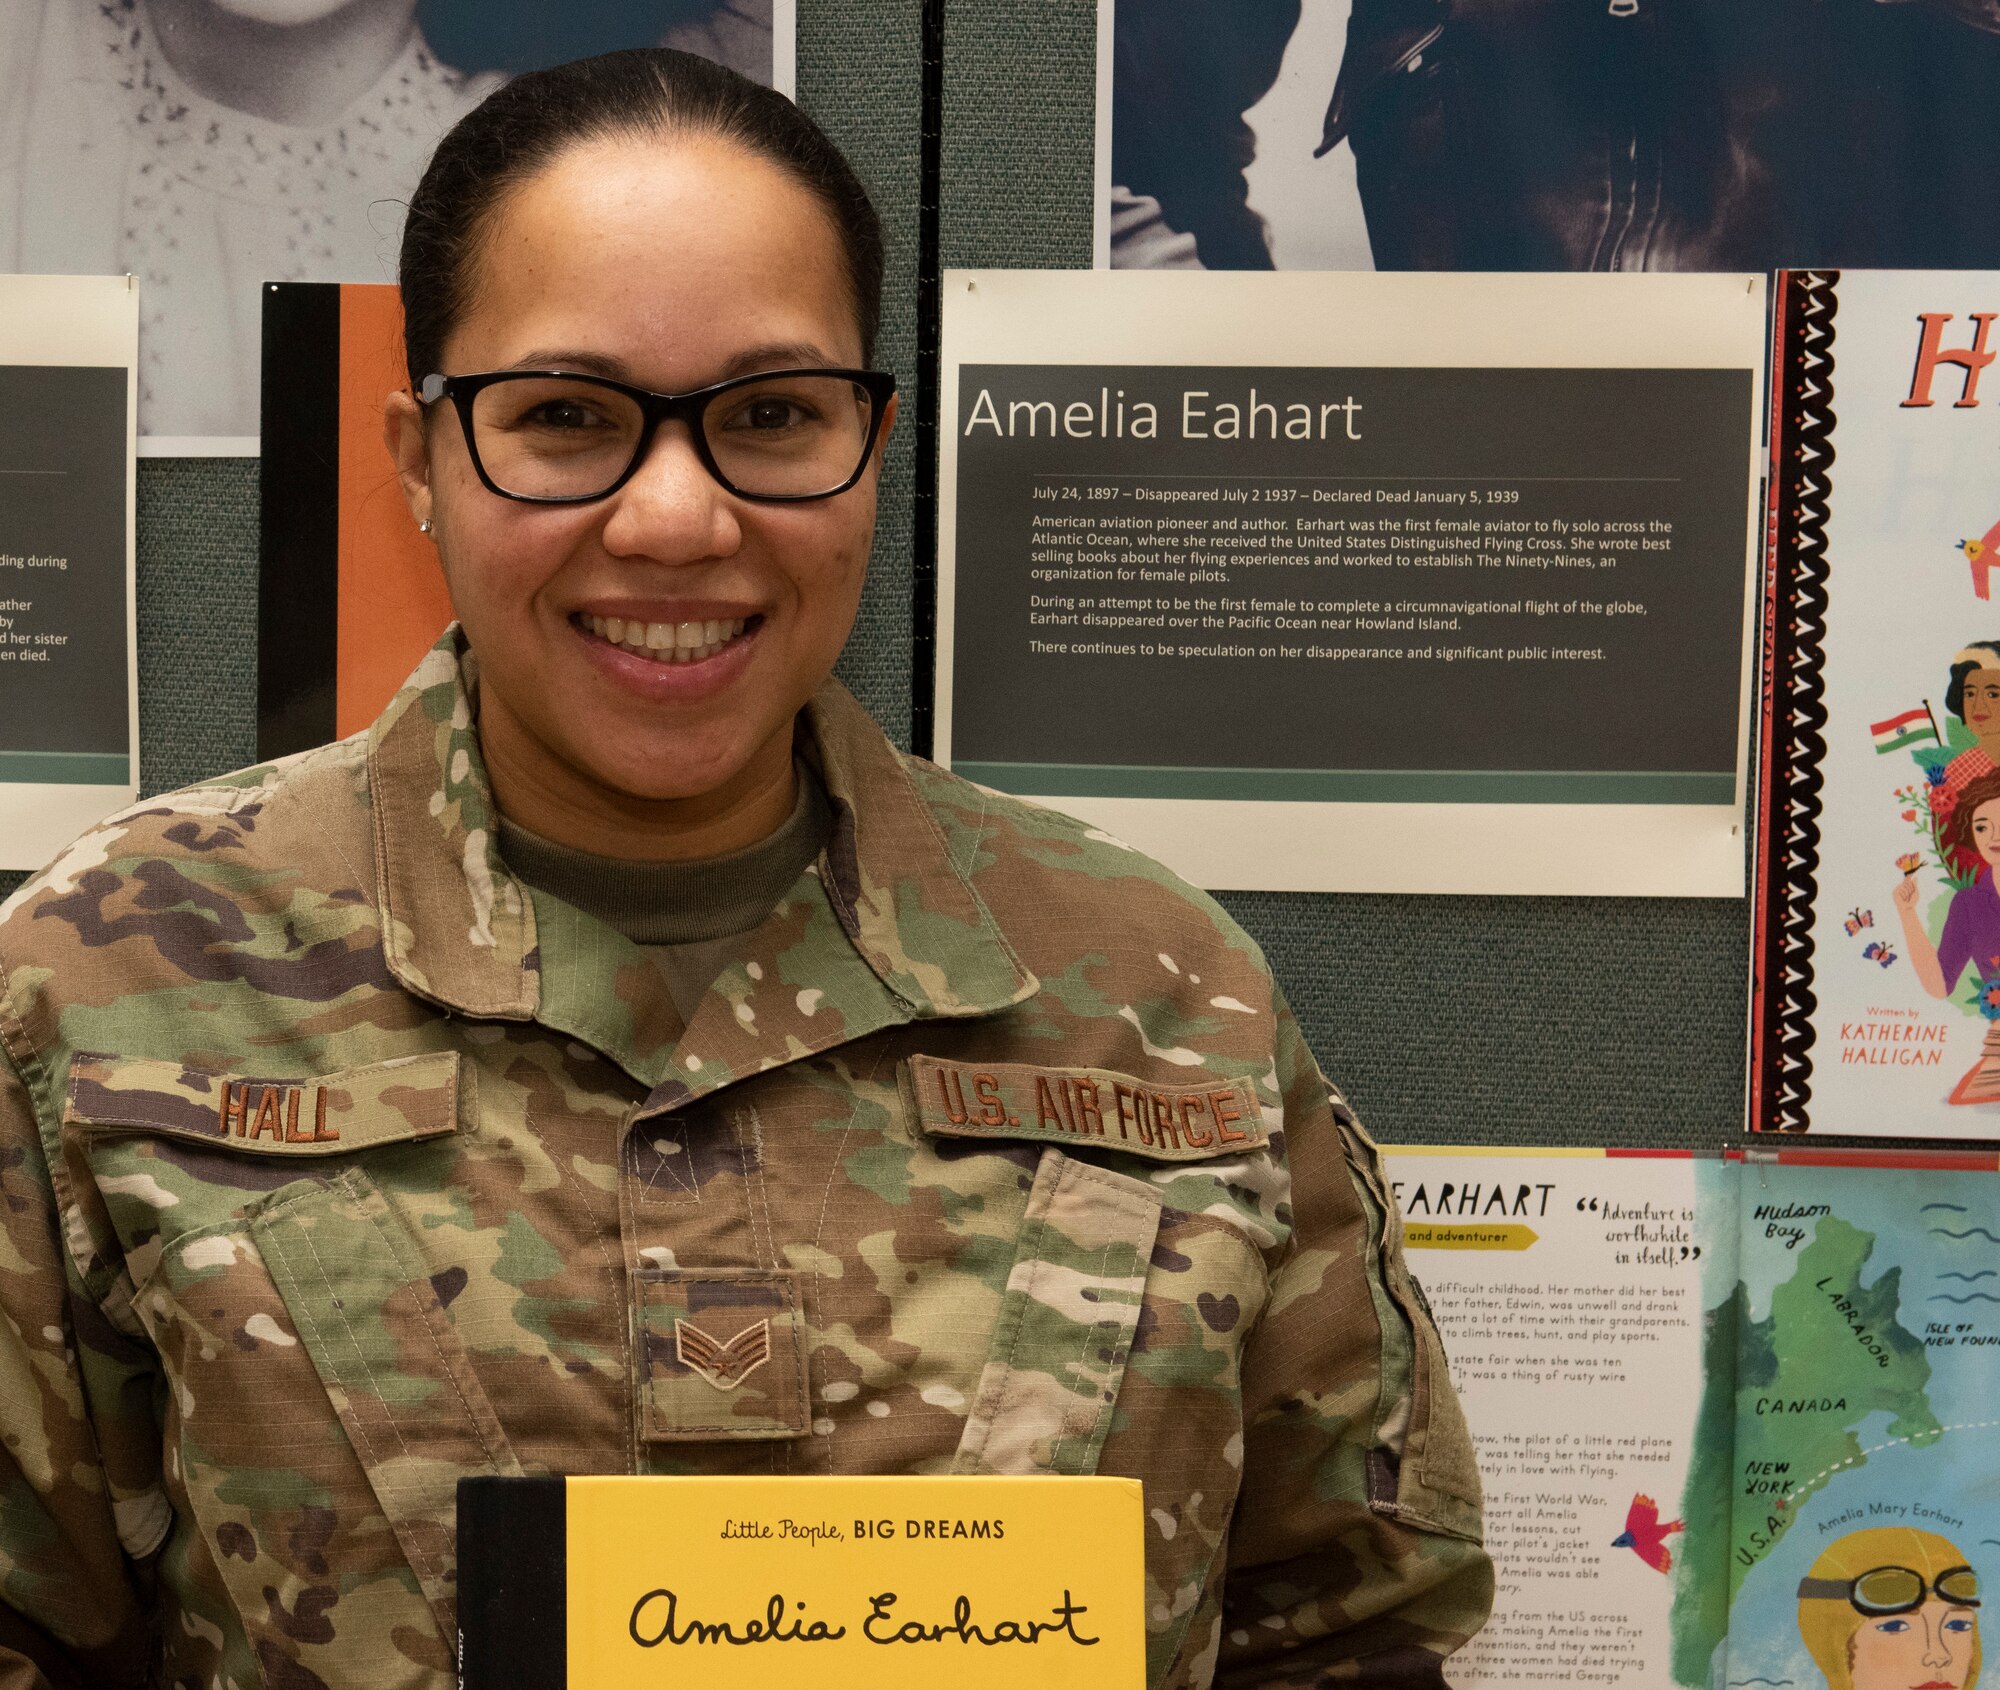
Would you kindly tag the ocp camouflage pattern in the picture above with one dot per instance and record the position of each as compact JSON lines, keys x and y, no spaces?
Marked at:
{"x":336,"y":1165}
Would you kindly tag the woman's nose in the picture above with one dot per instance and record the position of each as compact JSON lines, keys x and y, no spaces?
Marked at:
{"x":672,"y":510}
{"x":1937,"y":1646}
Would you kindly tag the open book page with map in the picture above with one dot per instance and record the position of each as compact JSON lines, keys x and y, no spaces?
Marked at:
{"x":1865,"y":1411}
{"x":1730,"y":1416}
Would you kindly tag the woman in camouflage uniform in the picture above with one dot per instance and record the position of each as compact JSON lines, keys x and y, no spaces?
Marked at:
{"x":620,"y":1058}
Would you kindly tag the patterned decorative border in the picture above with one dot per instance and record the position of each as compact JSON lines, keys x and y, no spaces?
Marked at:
{"x":1793,"y":711}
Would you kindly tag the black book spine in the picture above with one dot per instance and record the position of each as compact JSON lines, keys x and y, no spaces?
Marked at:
{"x":1794,"y":703}
{"x":513,"y":1581}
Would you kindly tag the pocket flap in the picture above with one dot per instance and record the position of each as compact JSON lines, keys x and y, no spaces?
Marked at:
{"x":1191,"y":1122}
{"x":409,"y":1097}
{"x":1067,"y":1323}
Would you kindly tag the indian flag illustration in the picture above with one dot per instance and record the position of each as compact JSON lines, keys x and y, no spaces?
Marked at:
{"x":1913,"y":727}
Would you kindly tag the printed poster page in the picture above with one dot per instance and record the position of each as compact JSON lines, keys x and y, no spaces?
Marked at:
{"x":1905,"y":932}
{"x":69,"y":705}
{"x":209,"y":148}
{"x":1864,"y":1471}
{"x":1576,"y":1278}
{"x":1360,"y":583}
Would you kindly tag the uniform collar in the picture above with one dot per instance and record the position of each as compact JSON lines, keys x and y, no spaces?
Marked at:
{"x":459,"y":930}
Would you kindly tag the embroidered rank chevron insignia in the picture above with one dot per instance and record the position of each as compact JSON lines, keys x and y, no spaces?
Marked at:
{"x":725,"y":1366}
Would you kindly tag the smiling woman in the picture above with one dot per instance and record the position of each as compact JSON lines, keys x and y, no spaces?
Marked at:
{"x":621,"y":1059}
{"x":675,"y":231}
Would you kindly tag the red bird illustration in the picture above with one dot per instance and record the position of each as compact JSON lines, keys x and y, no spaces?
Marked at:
{"x":1645,"y":1536}
{"x":1983,"y":556}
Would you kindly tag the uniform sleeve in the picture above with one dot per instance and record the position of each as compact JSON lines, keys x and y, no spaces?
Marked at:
{"x":70,"y":1610}
{"x":1356,"y":1552}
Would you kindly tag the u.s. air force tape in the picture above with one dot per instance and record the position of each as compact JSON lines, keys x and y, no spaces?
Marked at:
{"x":1017,"y":1100}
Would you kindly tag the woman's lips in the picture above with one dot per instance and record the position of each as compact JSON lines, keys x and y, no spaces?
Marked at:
{"x":705,"y":655}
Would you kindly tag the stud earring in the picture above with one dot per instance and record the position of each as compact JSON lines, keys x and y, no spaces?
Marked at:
{"x":424,"y":527}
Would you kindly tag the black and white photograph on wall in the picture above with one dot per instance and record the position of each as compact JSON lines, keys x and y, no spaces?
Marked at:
{"x":208,"y":146}
{"x":1715,"y":135}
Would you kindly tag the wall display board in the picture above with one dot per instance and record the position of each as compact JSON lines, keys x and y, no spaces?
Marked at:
{"x":1876,"y":948}
{"x":1622,"y":135}
{"x":1358,"y":583}
{"x":1775,"y":1381}
{"x":69,"y":682}
{"x":208,"y":146}
{"x":351,"y":595}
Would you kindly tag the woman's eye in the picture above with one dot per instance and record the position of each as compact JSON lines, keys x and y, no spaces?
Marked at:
{"x":1894,"y":1625}
{"x":561,"y":415}
{"x":1959,"y":1625}
{"x":768,"y":415}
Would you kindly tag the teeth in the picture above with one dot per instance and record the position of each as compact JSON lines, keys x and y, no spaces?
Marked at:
{"x":667,"y":642}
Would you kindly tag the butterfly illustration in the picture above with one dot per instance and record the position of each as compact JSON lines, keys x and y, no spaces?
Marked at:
{"x":1858,"y":919}
{"x":1881,"y":951}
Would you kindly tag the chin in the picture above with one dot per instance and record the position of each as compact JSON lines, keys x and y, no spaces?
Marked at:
{"x":669,"y":781}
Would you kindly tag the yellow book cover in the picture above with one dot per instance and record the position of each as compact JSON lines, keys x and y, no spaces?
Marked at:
{"x":862,"y":1583}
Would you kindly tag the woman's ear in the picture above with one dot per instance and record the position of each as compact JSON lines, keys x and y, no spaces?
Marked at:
{"x":409,"y":449}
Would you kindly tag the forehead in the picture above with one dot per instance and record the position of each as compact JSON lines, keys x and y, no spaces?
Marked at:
{"x":668,"y":256}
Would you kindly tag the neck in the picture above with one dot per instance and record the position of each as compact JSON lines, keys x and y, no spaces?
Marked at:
{"x":299,"y":74}
{"x":539,"y":791}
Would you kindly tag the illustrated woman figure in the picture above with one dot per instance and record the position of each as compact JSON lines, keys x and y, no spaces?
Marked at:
{"x":1973,"y":696}
{"x":1892,"y":1608}
{"x":1972,"y":924}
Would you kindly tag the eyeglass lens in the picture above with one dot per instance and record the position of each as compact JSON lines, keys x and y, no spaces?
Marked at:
{"x":1898,"y":1589}
{"x":552,"y":437}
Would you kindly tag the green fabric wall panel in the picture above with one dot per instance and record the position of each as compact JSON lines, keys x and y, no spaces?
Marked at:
{"x":860,"y":76}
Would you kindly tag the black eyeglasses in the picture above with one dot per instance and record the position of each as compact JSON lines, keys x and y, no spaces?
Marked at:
{"x":1896,"y":1590}
{"x":552,"y":438}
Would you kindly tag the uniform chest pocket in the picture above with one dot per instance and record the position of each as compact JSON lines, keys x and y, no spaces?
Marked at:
{"x":1137,"y":1272}
{"x":317,"y":1392}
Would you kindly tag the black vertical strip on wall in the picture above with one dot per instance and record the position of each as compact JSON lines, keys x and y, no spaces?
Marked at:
{"x":298,"y":557}
{"x":924,"y":527}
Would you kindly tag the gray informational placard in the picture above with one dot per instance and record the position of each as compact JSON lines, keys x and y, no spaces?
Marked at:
{"x":63,"y":695}
{"x":1375,"y":584}
{"x":1358,"y":583}
{"x":68,"y":676}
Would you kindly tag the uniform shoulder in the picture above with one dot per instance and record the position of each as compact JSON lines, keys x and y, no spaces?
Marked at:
{"x":297,"y":813}
{"x":1040,"y":870}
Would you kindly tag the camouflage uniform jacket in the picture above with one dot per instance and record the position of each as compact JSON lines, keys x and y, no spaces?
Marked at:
{"x":335,"y":1165}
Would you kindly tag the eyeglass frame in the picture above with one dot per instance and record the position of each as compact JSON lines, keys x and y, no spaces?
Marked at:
{"x":654,"y":409}
{"x":1830,"y":1590}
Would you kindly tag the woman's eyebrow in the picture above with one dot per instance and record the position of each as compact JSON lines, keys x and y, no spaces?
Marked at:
{"x":779,"y":355}
{"x":567,"y":358}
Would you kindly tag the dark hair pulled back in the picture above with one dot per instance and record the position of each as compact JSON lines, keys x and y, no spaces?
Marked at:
{"x":525,"y":125}
{"x":1965,"y":664}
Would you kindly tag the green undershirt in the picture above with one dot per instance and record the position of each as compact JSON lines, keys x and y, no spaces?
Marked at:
{"x":690,"y":918}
